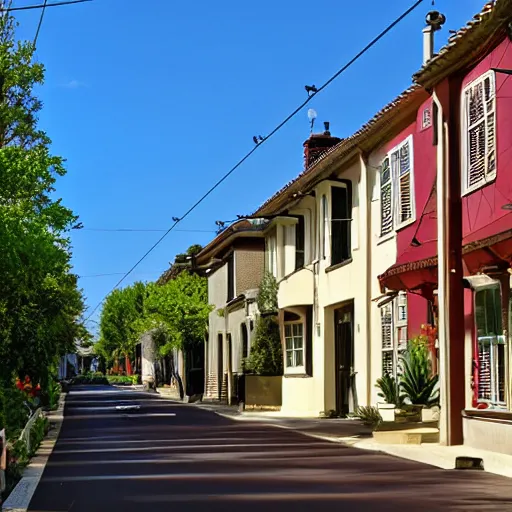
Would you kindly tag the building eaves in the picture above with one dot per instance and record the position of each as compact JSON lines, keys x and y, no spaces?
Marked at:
{"x":365,"y":139}
{"x":241,"y":228}
{"x":469,"y":44}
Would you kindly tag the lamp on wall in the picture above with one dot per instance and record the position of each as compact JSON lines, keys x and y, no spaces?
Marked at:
{"x":503,"y":71}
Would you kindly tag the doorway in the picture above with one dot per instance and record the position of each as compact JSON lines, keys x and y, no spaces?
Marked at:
{"x":220,"y":364}
{"x":344,"y":356}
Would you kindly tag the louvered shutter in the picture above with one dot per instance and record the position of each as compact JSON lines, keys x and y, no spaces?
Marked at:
{"x":386,"y":198}
{"x":484,"y":371}
{"x":481,"y":131}
{"x":405,"y":197}
{"x":387,"y":363}
{"x":387,"y":327}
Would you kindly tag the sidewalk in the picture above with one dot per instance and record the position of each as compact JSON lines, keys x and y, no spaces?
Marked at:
{"x":353,"y":433}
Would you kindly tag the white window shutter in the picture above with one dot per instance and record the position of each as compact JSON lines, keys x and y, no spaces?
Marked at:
{"x":387,"y":326}
{"x":386,"y":198}
{"x":480,"y":122}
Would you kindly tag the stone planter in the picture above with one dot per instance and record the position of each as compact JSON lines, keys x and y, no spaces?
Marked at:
{"x":428,"y":415}
{"x":387,"y":411}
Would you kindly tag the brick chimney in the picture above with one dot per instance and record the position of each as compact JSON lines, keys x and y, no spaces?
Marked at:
{"x":317,"y":145}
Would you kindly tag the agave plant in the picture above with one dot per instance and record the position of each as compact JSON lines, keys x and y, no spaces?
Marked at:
{"x":417,"y":381}
{"x":390,"y":390}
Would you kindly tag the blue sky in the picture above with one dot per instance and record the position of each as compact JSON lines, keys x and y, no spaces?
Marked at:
{"x":151,"y":102}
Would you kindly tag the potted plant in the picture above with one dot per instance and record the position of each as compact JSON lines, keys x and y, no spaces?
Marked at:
{"x":390,"y":392}
{"x":418,"y":383}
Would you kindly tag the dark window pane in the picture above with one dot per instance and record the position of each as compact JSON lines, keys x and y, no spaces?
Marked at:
{"x":340,"y":225}
{"x":300,"y":235}
{"x":231,"y":277}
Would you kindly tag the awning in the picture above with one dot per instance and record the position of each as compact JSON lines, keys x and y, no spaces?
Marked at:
{"x":485,"y":249}
{"x":412,"y":272}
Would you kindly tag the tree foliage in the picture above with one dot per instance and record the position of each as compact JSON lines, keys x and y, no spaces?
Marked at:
{"x":40,"y":303}
{"x":266,"y":356}
{"x":176,"y":312}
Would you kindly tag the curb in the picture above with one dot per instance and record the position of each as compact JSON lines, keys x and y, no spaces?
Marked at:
{"x":21,"y":495}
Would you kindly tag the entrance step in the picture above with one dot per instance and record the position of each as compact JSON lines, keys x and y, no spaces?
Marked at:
{"x":414,"y":435}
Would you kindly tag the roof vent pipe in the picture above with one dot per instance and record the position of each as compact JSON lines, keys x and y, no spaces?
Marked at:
{"x":435,"y":20}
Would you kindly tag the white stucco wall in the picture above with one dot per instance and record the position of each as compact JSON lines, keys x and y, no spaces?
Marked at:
{"x":383,"y":256}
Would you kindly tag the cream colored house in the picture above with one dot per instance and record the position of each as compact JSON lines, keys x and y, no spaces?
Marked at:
{"x":236,"y":262}
{"x":324,"y":246}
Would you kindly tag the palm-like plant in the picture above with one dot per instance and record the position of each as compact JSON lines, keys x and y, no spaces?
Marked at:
{"x":417,"y":381}
{"x":390,"y":390}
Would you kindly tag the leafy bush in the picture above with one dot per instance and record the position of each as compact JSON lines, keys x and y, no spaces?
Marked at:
{"x":417,"y":381}
{"x":390,"y":390}
{"x":90,"y":379}
{"x":53,"y":393}
{"x":14,"y":411}
{"x":266,"y":352}
{"x":127,"y":380}
{"x":37,"y":433}
{"x":267,"y":294}
{"x":369,"y":415}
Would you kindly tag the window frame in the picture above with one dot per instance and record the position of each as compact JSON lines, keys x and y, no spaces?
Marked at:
{"x":394,"y":184}
{"x":324,"y":228}
{"x":398,"y":324}
{"x":499,"y":339}
{"x":348,"y":224}
{"x":301,"y":223}
{"x":271,"y":252}
{"x":466,"y":127}
{"x":296,"y":369}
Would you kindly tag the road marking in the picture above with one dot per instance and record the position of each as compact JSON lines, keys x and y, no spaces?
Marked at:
{"x":190,"y":447}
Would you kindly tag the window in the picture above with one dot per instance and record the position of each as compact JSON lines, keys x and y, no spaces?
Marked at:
{"x":340,"y":224}
{"x":397,"y":188}
{"x":231,"y":276}
{"x":394,"y":333}
{"x":245,"y":340}
{"x":491,"y":347}
{"x":294,"y":343}
{"x":300,"y":235}
{"x":426,"y":121}
{"x":479,"y":141}
{"x":324,"y":228}
{"x":272,"y":255}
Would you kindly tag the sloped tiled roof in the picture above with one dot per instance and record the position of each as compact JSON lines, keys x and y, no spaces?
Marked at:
{"x":414,"y":95}
{"x":477,"y":37}
{"x":472,"y":41}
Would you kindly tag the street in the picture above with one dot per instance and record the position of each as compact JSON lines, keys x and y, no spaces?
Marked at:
{"x":166,"y":455}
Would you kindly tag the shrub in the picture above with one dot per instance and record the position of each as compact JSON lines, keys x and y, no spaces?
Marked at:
{"x":126,"y":380}
{"x":417,"y":381}
{"x":90,"y":379}
{"x":369,"y":415}
{"x":266,"y":352}
{"x":14,"y":411}
{"x":390,"y":390}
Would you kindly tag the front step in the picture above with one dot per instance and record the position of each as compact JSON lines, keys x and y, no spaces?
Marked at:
{"x":414,"y":435}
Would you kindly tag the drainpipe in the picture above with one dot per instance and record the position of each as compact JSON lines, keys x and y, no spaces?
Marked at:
{"x":366,"y":221}
{"x":443,"y":313}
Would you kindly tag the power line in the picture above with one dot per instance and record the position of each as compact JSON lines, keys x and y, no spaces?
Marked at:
{"x":262,"y":140}
{"x":129,"y":230}
{"x":40,"y":22}
{"x":121,"y":273}
{"x":43,"y":6}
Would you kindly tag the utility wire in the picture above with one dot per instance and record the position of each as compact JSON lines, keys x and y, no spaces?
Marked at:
{"x":129,"y":230}
{"x":43,"y":6}
{"x":40,"y":22}
{"x":262,"y":141}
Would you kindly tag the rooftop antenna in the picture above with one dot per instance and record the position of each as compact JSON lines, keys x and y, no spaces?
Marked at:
{"x":312,"y":115}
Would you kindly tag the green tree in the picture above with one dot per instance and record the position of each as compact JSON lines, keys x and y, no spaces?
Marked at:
{"x":180,"y":310}
{"x":121,"y":319}
{"x":40,"y":303}
{"x":266,"y":351}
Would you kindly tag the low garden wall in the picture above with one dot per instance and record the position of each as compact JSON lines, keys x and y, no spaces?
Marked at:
{"x":262,"y":391}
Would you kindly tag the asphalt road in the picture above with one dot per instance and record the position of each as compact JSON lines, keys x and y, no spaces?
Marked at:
{"x":171,"y":456}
